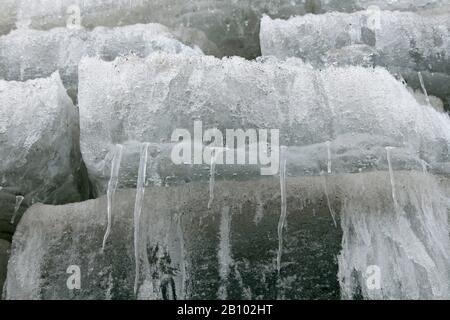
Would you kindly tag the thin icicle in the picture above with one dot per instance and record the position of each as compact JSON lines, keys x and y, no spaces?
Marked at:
{"x":391,"y":174}
{"x":259,"y":209}
{"x":182,"y":258}
{"x":140,"y":190}
{"x":112,"y":185}
{"x":332,"y":213}
{"x":19,"y":200}
{"x":224,"y":254}
{"x":424,"y":167}
{"x":422,"y":84}
{"x":215,"y":152}
{"x":328,"y":143}
{"x":282,"y":221}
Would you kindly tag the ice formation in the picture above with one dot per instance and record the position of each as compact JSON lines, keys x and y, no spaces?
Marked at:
{"x":407,"y":237}
{"x":371,"y":110}
{"x":215,"y":153}
{"x":403,"y":42}
{"x":38,"y":127}
{"x":112,"y":186}
{"x":19,"y":200}
{"x":373,"y":122}
{"x":214,"y":250}
{"x":422,"y":85}
{"x":360,"y":148}
{"x":224,"y":252}
{"x":283,"y":213}
{"x":29,"y":54}
{"x":140,"y":191}
{"x":217,"y":27}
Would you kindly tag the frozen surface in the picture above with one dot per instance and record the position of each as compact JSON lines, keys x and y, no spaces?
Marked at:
{"x":360,"y":111}
{"x":403,"y":42}
{"x":218,"y":27}
{"x":38,"y":132}
{"x":404,"y":39}
{"x":358,"y":209}
{"x":401,"y":231}
{"x":28,"y":54}
{"x":187,"y":250}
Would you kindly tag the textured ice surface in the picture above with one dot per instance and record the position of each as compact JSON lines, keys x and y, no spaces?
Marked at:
{"x":360,"y":111}
{"x":435,"y":102}
{"x":403,"y":42}
{"x":38,"y":132}
{"x":218,"y":27}
{"x":28,"y":54}
{"x":402,"y":231}
{"x":8,"y":16}
{"x":188,"y":250}
{"x":402,"y":39}
{"x":198,"y":252}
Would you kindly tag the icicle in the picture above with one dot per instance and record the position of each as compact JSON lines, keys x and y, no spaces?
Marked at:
{"x":259,"y":209}
{"x":22,"y":71}
{"x":112,"y":185}
{"x":409,"y":245}
{"x":215,"y":152}
{"x":282,"y":221}
{"x":224,"y":254}
{"x":19,"y":200}
{"x":332,"y":213}
{"x":329,"y":157}
{"x":391,"y":174}
{"x":140,"y":190}
{"x":424,"y":167}
{"x":422,"y":84}
{"x":182,"y":258}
